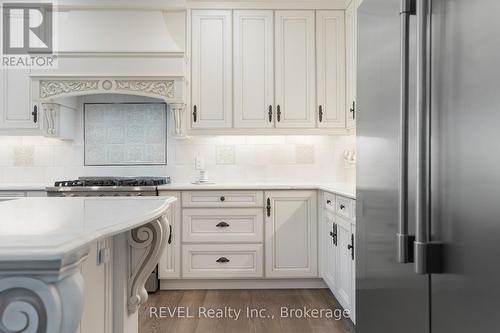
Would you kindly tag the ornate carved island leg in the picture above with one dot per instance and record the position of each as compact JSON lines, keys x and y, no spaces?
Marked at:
{"x":45,"y":297}
{"x":146,"y":244}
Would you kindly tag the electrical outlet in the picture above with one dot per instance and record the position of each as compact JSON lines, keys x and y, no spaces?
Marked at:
{"x":199,"y":163}
{"x":103,"y":253}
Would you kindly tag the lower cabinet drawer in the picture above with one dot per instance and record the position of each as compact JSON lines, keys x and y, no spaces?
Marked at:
{"x":344,"y":207}
{"x":226,"y":225}
{"x":222,"y":199}
{"x":329,"y":201}
{"x":222,"y":261}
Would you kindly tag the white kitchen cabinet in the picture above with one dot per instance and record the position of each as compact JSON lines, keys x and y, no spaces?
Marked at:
{"x":353,"y":276}
{"x":253,"y":69}
{"x":295,"y":69}
{"x":337,"y":235}
{"x":270,"y":71}
{"x":344,"y":263}
{"x":329,"y":250}
{"x":351,"y":31}
{"x":169,"y":266}
{"x":291,"y":234}
{"x":330,"y":67}
{"x":211,"y":69}
{"x":17,"y":110}
{"x":97,"y":272}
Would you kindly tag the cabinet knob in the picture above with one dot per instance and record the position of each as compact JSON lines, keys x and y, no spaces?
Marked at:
{"x":222,"y":198}
{"x":342,"y":206}
{"x":329,"y":202}
{"x":222,"y":260}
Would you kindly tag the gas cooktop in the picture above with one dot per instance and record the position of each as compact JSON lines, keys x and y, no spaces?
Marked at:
{"x":107,"y":186}
{"x":113,"y":181}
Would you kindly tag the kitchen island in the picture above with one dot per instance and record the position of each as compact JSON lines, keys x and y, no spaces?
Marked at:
{"x":45,"y":243}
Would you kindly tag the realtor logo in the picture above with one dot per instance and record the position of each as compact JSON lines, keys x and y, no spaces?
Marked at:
{"x":27,"y":28}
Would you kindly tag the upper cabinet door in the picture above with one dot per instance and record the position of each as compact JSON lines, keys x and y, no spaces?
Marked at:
{"x":330,"y":59}
{"x":16,"y":109}
{"x":253,"y":69}
{"x":211,"y":94}
{"x":350,"y":18}
{"x":295,"y":69}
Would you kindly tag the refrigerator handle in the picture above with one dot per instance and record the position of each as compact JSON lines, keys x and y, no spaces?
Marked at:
{"x":404,"y":241}
{"x":428,"y":255}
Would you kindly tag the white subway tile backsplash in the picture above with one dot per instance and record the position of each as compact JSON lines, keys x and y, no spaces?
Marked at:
{"x":38,"y":141}
{"x":18,"y":174}
{"x":185,"y":154}
{"x":234,"y":139}
{"x":295,"y":139}
{"x":304,"y":154}
{"x":265,"y":139}
{"x":263,"y":154}
{"x":10,"y":141}
{"x":227,"y":158}
{"x":44,"y":156}
{"x":252,"y":158}
{"x":246,"y":155}
{"x":282,"y":154}
{"x":6,"y":155}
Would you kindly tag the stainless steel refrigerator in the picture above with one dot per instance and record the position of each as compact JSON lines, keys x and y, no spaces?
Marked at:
{"x":428,"y":171}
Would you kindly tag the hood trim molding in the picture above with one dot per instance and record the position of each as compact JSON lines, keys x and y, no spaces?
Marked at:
{"x":168,"y":89}
{"x":160,"y":88}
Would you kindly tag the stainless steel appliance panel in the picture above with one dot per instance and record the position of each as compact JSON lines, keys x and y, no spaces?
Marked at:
{"x":390,"y":297}
{"x":465,"y":112}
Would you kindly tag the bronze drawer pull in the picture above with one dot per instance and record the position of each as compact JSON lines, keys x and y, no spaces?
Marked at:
{"x":222,"y":260}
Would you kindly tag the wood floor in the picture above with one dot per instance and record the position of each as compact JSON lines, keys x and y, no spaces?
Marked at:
{"x":200,"y":302}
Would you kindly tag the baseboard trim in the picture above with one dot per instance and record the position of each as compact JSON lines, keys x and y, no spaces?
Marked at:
{"x":186,"y":284}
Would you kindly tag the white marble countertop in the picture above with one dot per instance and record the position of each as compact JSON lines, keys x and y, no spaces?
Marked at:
{"x":48,"y":228}
{"x":24,"y":186}
{"x":347,"y":190}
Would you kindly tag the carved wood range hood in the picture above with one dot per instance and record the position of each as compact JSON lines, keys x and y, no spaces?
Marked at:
{"x":119,"y":54}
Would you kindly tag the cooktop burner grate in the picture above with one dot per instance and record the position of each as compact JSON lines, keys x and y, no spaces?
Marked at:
{"x":113,"y":181}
